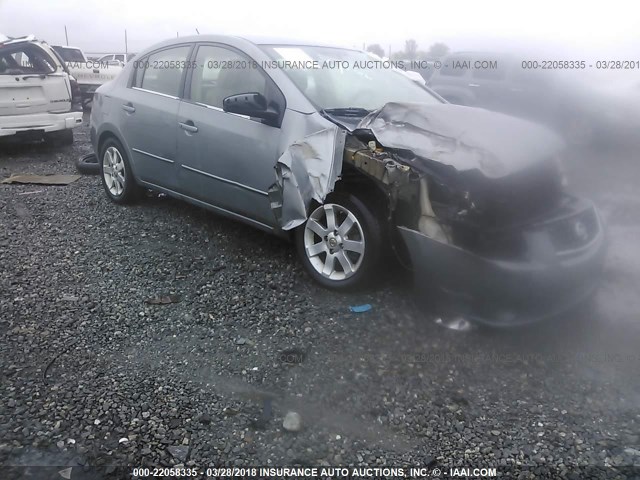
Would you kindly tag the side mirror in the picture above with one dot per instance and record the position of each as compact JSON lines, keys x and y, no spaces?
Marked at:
{"x":250,"y":104}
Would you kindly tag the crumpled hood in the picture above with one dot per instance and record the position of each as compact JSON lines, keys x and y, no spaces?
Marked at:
{"x":466,"y":138}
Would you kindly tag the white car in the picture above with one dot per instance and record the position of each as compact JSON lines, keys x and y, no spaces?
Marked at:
{"x":38,"y":96}
{"x":90,"y":74}
{"x":116,"y":58}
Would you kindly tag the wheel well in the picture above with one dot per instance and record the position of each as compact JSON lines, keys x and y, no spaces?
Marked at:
{"x":103,"y":138}
{"x":355,"y":183}
{"x":366,"y":189}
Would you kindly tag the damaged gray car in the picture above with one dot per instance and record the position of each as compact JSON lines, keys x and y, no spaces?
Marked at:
{"x":355,"y":162}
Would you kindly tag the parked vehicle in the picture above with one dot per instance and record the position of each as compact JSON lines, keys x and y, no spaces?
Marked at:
{"x":70,"y":54}
{"x":90,"y":74}
{"x":556,"y":97}
{"x":353,"y":164}
{"x":116,"y":58}
{"x":38,"y":96}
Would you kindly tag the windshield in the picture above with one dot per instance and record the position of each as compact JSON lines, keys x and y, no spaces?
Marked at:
{"x":335,"y":78}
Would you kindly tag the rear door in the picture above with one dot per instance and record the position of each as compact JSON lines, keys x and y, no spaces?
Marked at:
{"x":148,"y":114}
{"x":31,"y":81}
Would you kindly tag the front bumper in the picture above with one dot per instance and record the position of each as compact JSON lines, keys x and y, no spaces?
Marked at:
{"x":502,"y":292}
{"x":40,"y":122}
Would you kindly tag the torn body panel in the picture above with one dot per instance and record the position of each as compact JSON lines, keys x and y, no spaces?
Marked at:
{"x":306,"y":171}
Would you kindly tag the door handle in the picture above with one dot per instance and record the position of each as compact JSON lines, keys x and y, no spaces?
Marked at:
{"x":188,"y":126}
{"x":128,"y":108}
{"x":474,"y":85}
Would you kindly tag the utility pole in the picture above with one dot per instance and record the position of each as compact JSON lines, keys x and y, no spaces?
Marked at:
{"x":65,"y":35}
{"x":126,"y":46}
{"x":197,"y":31}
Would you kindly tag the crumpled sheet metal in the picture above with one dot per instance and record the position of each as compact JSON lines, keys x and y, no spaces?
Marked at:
{"x":387,"y":170}
{"x":306,"y":171}
{"x":462,"y":137}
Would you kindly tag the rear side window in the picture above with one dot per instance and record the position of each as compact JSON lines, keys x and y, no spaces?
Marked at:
{"x":24,"y":60}
{"x":162,"y":71}
{"x":70,"y":54}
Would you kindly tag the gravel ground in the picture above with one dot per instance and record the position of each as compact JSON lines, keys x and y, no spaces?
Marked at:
{"x":93,"y":375}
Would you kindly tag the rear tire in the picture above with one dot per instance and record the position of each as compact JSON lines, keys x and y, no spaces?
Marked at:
{"x":88,"y":164}
{"x":116,"y":173}
{"x":340,"y":243}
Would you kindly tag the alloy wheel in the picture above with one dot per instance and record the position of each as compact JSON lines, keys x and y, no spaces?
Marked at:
{"x":114,"y":171}
{"x":334,"y":242}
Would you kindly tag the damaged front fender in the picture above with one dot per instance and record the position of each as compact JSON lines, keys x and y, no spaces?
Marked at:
{"x":306,"y":171}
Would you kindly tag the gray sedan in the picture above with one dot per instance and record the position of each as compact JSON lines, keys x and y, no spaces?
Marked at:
{"x":347,"y":156}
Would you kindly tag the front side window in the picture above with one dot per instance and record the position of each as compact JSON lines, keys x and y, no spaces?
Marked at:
{"x":220,"y":73}
{"x":162,"y":71}
{"x":70,"y":54}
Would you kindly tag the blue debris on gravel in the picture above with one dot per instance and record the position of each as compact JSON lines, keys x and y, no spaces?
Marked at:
{"x":360,"y":308}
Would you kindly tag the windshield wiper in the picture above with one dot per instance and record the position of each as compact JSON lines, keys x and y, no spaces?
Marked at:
{"x":347,"y":111}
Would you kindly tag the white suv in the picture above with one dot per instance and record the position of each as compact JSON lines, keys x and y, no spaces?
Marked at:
{"x":38,"y":96}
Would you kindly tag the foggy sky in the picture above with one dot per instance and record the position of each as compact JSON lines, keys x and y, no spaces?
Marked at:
{"x":552,"y":26}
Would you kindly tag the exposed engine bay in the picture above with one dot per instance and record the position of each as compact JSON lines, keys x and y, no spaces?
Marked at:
{"x":486,"y":217}
{"x":484,"y":212}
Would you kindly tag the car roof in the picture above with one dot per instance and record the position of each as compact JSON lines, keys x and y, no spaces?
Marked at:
{"x":290,"y":41}
{"x":14,"y":40}
{"x":473,"y":52}
{"x":256,"y":40}
{"x":489,"y":55}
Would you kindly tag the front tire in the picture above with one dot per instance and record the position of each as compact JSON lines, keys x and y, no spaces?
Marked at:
{"x":116,"y":173}
{"x":339,"y":244}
